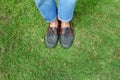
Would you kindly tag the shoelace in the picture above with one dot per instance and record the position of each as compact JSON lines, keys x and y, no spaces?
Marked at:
{"x":51,"y":33}
{"x":66,"y":31}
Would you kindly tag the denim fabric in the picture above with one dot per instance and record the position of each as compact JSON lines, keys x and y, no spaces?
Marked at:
{"x":50,"y":12}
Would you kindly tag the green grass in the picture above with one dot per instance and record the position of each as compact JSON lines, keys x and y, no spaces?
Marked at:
{"x":95,"y":54}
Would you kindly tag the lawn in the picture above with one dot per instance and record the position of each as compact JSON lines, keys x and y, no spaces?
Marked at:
{"x":95,"y":54}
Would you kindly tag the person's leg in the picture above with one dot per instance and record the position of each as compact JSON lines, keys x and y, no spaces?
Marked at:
{"x":48,"y":10}
{"x":65,"y":15}
{"x":66,"y":10}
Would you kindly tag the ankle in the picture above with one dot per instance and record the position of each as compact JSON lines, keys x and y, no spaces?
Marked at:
{"x":54,"y":23}
{"x":65,"y":24}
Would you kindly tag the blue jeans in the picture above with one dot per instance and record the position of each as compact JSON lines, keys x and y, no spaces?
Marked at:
{"x":50,"y":12}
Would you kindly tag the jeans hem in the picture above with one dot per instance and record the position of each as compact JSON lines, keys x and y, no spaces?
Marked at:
{"x":68,"y":20}
{"x":51,"y":20}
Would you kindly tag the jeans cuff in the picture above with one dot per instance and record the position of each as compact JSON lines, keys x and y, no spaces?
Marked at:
{"x":63,"y":20}
{"x":51,"y":20}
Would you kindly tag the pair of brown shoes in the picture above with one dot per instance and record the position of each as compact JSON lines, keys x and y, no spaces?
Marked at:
{"x":66,"y":36}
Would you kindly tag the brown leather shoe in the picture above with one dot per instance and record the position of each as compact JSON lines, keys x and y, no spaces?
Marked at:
{"x":51,"y":38}
{"x":66,"y":37}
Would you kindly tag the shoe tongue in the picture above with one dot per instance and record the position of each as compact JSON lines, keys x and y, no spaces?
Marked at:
{"x":52,"y":29}
{"x":66,"y":28}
